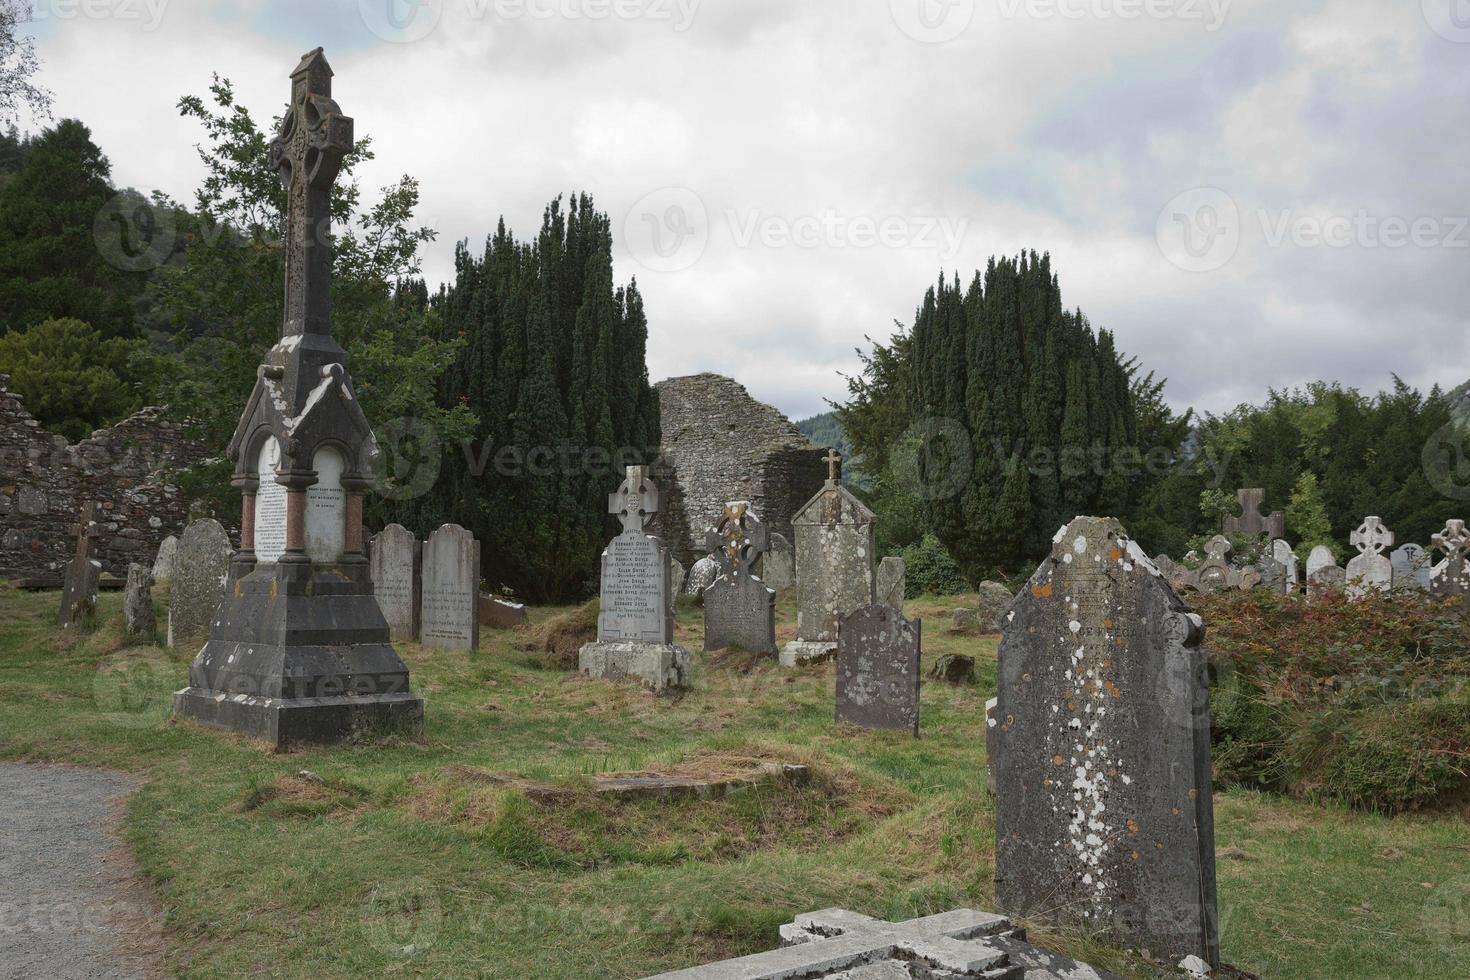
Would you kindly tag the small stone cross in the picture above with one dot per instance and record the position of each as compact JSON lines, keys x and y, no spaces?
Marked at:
{"x":1372,"y":537}
{"x":636,"y":501}
{"x":833,"y":461}
{"x":1218,"y":548}
{"x":1454,"y":540}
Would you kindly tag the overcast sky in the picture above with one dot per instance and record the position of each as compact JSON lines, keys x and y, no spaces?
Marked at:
{"x":1249,"y":194}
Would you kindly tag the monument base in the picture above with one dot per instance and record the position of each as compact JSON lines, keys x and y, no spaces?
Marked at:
{"x":286,"y":724}
{"x":800,"y":653}
{"x":660,"y":666}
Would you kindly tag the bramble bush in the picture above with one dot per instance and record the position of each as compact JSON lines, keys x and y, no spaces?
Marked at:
{"x":1364,"y":703}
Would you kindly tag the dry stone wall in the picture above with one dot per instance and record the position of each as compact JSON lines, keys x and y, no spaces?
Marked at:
{"x":126,"y":469}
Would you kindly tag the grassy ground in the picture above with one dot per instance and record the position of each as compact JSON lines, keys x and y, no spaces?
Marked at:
{"x":403,"y":859}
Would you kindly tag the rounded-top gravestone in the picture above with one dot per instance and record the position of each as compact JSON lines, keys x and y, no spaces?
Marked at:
{"x":201,"y":570}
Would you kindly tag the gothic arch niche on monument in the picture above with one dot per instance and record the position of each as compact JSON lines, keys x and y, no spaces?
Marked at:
{"x":326,"y":507}
{"x":270,"y":503}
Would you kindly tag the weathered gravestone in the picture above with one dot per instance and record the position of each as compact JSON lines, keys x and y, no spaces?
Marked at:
{"x":138,"y":615}
{"x":635,"y":627}
{"x":449,"y":607}
{"x":1286,"y":557}
{"x":701,"y":576}
{"x":1451,"y":577}
{"x":1272,"y":574}
{"x":1413,"y":567}
{"x":164,"y":562}
{"x":840,"y":945}
{"x":1327,"y":579}
{"x":1179,"y":577}
{"x":201,"y":571}
{"x":893,"y":576}
{"x":1321,"y":557}
{"x":501,"y":614}
{"x":1252,"y":523}
{"x":1371,"y":569}
{"x":676,"y":580}
{"x":300,"y":652}
{"x":878,"y":654}
{"x":1217,"y":574}
{"x":778,"y":567}
{"x":1104,"y":814}
{"x":739,"y":608}
{"x":79,"y":586}
{"x":834,"y":567}
{"x":394,"y":557}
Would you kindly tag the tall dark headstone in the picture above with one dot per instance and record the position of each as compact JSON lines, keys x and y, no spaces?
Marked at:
{"x":300,"y":651}
{"x":739,"y":608}
{"x":83,"y":573}
{"x":878,"y":654}
{"x":1104,"y":816}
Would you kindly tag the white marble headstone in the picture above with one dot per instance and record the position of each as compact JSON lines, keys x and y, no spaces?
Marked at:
{"x":449,"y":611}
{"x":270,"y":506}
{"x":326,"y":508}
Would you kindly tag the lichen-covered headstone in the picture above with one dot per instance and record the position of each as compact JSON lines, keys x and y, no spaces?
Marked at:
{"x":164,"y":562}
{"x":201,"y":571}
{"x":1451,"y":577}
{"x":1413,"y":567}
{"x":778,"y":567}
{"x":1327,"y":579}
{"x":1371,"y":569}
{"x":834,"y":567}
{"x":892,"y":582}
{"x":878,"y":655}
{"x":394,"y":562}
{"x":739,"y":608}
{"x":1104,"y":813}
{"x":84,"y":572}
{"x":138,"y":615}
{"x":702,"y":575}
{"x":449,"y":606}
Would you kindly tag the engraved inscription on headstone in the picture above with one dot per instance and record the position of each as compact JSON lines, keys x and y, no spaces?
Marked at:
{"x":270,"y":506}
{"x":395,"y":572}
{"x":739,"y":609}
{"x":1371,"y":569}
{"x":450,"y":590}
{"x":326,"y":508}
{"x":878,"y":655}
{"x":1413,"y":567}
{"x":1104,"y":814}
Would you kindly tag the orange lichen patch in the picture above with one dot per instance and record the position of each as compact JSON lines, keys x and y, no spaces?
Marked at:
{"x":1026,"y":678}
{"x":1056,"y":760}
{"x":1132,"y":826}
{"x":1194,"y":794}
{"x":1107,"y":624}
{"x":1113,"y":773}
{"x":1042,"y":591}
{"x":1177,"y":811}
{"x":1134,"y":855}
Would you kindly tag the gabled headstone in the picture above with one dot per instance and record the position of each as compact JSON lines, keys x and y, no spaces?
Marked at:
{"x":164,"y":562}
{"x":79,"y":586}
{"x":138,"y":616}
{"x":1104,"y":813}
{"x":1286,"y":556}
{"x":394,"y":560}
{"x":449,"y":608}
{"x":739,"y":608}
{"x":893,"y":576}
{"x":1252,"y":523}
{"x":1371,"y":569}
{"x":635,"y":627}
{"x":835,"y":555}
{"x":1413,"y":567}
{"x":878,"y":654}
{"x":1451,"y":577}
{"x":299,"y":652}
{"x":201,"y":572}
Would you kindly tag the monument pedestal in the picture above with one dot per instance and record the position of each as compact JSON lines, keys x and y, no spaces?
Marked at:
{"x":800,"y":653}
{"x":660,"y":666}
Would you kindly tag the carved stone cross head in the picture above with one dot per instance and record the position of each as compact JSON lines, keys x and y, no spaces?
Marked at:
{"x":636,"y":501}
{"x":739,"y":540}
{"x":833,"y":460}
{"x":1218,"y":549}
{"x":1372,"y":537}
{"x":1251,"y":522}
{"x":1454,"y":540}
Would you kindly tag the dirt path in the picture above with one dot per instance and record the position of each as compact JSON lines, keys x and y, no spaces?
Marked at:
{"x":71,"y":904}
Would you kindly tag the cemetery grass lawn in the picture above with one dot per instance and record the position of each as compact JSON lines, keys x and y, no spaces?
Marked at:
{"x":393,"y":858}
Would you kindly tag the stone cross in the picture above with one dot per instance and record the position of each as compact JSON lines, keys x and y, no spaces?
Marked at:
{"x":1452,"y":576}
{"x":1371,"y":569}
{"x":833,"y":460}
{"x":1251,"y":522}
{"x":307,"y":153}
{"x":739,"y":540}
{"x":635,"y":502}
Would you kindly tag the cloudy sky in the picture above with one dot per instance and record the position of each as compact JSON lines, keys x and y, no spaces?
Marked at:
{"x":1249,"y":193}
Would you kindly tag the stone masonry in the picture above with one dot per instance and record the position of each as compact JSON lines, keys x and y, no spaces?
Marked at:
{"x":126,"y":469}
{"x":720,"y":444}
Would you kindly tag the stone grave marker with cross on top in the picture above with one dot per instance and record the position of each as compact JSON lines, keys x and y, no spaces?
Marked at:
{"x":1371,"y":569}
{"x":1452,"y":576}
{"x":79,"y":589}
{"x":1217,"y":574}
{"x":635,"y":627}
{"x":1252,"y":523}
{"x":739,"y":608}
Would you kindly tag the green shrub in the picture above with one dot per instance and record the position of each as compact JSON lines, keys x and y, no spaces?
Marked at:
{"x":931,"y":570}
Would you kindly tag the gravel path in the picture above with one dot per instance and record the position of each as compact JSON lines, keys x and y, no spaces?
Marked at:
{"x":71,"y":904}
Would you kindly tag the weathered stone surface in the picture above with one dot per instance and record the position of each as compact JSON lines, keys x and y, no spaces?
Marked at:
{"x":499,"y":614}
{"x":659,"y":667}
{"x":1286,"y":557}
{"x":449,"y":608}
{"x":836,"y":944}
{"x":778,"y":567}
{"x":878,"y":653}
{"x":718,"y":444}
{"x":995,"y":599}
{"x":201,"y":572}
{"x":1321,"y":557}
{"x":1216,"y":574}
{"x":1371,"y":569}
{"x":1104,"y":813}
{"x":835,"y":553}
{"x":1413,"y":567}
{"x":79,"y":587}
{"x":1451,"y":577}
{"x":964,"y":620}
{"x":892,"y":581}
{"x":954,"y":668}
{"x":1252,"y":523}
{"x":165,"y":561}
{"x":394,"y":565}
{"x":676,"y":581}
{"x":1178,"y":576}
{"x":1328,"y":578}
{"x":701,"y":576}
{"x":1274,"y":576}
{"x":740,"y":613}
{"x":138,"y":615}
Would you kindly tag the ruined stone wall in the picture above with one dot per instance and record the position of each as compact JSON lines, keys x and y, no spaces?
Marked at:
{"x":125,"y":469}
{"x":720,"y":444}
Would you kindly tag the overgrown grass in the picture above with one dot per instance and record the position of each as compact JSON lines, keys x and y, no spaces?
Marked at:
{"x":390,"y":859}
